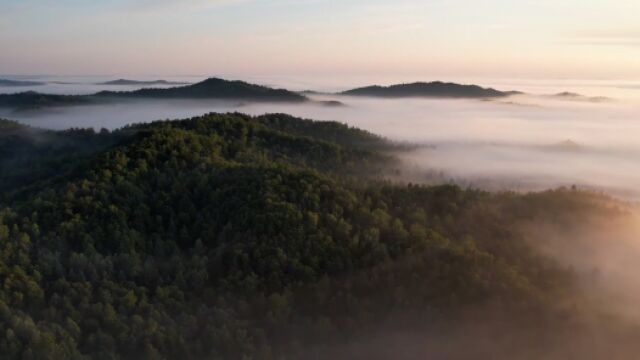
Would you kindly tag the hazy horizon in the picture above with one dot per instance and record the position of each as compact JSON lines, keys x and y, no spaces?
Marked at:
{"x":323,"y":38}
{"x":86,"y":84}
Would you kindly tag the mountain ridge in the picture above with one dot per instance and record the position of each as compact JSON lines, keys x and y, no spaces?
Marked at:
{"x":19,"y":83}
{"x":211,"y":88}
{"x":428,"y":89}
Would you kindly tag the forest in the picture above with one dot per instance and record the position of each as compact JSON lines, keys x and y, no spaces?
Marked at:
{"x":229,"y":236}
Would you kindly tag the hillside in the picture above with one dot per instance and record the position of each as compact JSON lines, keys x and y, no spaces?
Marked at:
{"x":35,"y":100}
{"x":270,"y":237}
{"x":211,"y":88}
{"x":427,"y":89}
{"x":29,"y":156}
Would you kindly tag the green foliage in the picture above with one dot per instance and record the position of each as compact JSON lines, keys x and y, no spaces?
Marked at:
{"x":34,"y":100}
{"x":29,"y":156}
{"x":229,"y":236}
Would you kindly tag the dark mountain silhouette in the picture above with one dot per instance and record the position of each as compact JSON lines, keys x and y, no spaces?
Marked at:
{"x":430,"y":89}
{"x":579,"y":97}
{"x":6,"y":82}
{"x":332,"y":103}
{"x":212,"y":88}
{"x":33,"y":99}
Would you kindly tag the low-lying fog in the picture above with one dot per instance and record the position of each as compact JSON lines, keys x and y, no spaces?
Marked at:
{"x":522,"y":142}
{"x":84,"y":85}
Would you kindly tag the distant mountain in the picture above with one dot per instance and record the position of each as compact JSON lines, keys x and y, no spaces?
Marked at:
{"x":32,"y":99}
{"x":138,"y":82}
{"x":6,"y":82}
{"x":331,"y":103}
{"x":578,"y":97}
{"x":428,"y":89}
{"x":212,"y":88}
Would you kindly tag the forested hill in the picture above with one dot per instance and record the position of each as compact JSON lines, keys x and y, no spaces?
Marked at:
{"x":428,"y":89}
{"x":30,"y":155}
{"x":228,"y":237}
{"x":34,"y":100}
{"x":212,"y":88}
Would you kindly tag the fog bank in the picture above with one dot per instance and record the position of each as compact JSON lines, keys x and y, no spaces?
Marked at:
{"x":528,"y":142}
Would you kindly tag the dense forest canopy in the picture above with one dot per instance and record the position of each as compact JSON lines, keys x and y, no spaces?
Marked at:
{"x":269,"y":237}
{"x":34,"y":100}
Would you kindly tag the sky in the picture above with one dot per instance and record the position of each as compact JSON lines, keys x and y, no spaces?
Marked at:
{"x":577,"y":39}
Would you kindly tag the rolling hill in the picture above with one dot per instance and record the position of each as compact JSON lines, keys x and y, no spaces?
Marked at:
{"x":428,"y":89}
{"x":212,"y":88}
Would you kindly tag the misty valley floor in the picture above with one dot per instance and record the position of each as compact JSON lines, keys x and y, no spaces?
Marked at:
{"x":517,"y":142}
